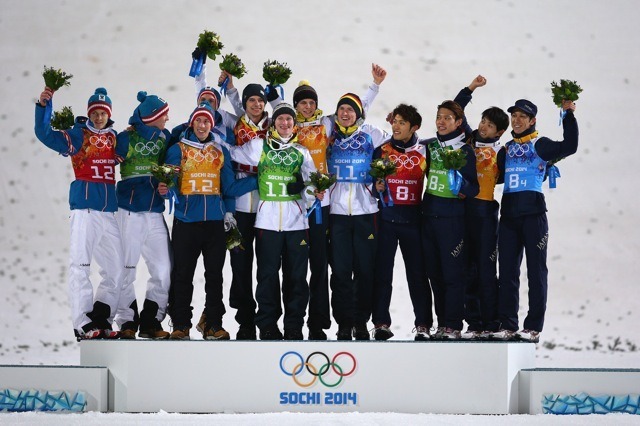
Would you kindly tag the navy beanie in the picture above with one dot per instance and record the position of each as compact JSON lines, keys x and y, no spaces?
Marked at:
{"x":252,"y":89}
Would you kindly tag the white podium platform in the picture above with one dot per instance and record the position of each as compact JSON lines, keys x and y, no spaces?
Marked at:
{"x":252,"y":377}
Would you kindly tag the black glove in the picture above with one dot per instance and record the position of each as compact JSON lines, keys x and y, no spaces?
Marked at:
{"x":197,"y":53}
{"x":297,"y":186}
{"x":272,"y":93}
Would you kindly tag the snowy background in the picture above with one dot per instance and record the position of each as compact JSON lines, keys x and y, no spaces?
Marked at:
{"x":430,"y":50}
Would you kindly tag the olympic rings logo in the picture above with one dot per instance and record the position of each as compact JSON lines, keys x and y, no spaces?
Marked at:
{"x":283,"y":157}
{"x":309,"y":132}
{"x":484,"y":154}
{"x":207,"y":154}
{"x":148,"y":148}
{"x":354,"y":142}
{"x":246,"y":135}
{"x":435,"y":155}
{"x":100,"y":141}
{"x":518,"y":150}
{"x":404,"y":160}
{"x":317,"y":374}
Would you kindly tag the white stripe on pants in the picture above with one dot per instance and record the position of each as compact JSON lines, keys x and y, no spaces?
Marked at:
{"x":146,"y":234}
{"x":94,"y":235}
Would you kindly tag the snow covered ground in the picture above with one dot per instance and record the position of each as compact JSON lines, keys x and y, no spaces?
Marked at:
{"x":430,"y":49}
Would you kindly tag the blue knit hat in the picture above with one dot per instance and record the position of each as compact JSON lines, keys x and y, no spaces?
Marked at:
{"x":99,"y":100}
{"x":210,"y":91}
{"x":203,"y":110}
{"x":151,"y":107}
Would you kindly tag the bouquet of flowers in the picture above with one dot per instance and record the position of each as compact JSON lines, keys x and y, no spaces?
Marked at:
{"x":276,"y":74}
{"x":55,"y":79}
{"x":165,"y":173}
{"x":567,"y":89}
{"x":209,"y":45}
{"x":322,"y":182}
{"x":380,"y":168}
{"x":233,"y":238}
{"x":63,"y":120}
{"x":234,"y":66}
{"x":454,"y":160}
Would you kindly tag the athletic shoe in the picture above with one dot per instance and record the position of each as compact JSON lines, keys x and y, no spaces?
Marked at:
{"x":471,"y":335}
{"x":293,"y":334}
{"x":504,"y":334}
{"x":345,"y":333}
{"x":127,"y":334}
{"x":92,"y":334}
{"x":449,"y":333}
{"x":438,"y":334}
{"x":422,"y":333}
{"x":180,"y":334}
{"x":529,"y":335}
{"x":486,"y":335}
{"x":317,"y":334}
{"x":215,"y":333}
{"x":360,"y":332}
{"x":153,"y":331}
{"x":246,"y":332}
{"x":382,"y":332}
{"x":271,"y":333}
{"x":202,"y":323}
{"x":109,"y":334}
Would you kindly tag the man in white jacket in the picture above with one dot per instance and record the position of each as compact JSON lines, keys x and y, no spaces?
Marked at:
{"x":281,"y":224}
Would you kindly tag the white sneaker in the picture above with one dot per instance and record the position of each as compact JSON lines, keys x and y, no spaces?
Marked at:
{"x":450,"y":334}
{"x":529,"y":335}
{"x":422,"y":333}
{"x":471,"y":335}
{"x":504,"y":334}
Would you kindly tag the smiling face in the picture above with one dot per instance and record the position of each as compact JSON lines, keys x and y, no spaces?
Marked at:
{"x":487,"y":129}
{"x":202,"y":127}
{"x":521,"y":122}
{"x":446,"y":121}
{"x":284,"y":125}
{"x":346,"y":115}
{"x":402,"y":129}
{"x":307,"y":107}
{"x":99,"y":118}
{"x":255,"y":108}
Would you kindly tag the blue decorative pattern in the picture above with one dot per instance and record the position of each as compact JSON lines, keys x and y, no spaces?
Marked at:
{"x":583,"y":403}
{"x":39,"y":400}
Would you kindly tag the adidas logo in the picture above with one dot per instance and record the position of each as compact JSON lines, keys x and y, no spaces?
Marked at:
{"x":303,"y":243}
{"x":371,"y":237}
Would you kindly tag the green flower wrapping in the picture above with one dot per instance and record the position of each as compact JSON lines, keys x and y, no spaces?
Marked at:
{"x":209,"y":43}
{"x":567,"y":89}
{"x":165,"y":173}
{"x":382,"y":167}
{"x":55,"y":79}
{"x":276,"y":73}
{"x":233,"y":239}
{"x":321,"y":181}
{"x":63,"y":120}
{"x":454,"y":159}
{"x":233,"y":65}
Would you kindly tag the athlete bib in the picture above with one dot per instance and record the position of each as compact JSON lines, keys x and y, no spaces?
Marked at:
{"x":523,"y":169}
{"x":407,"y":183}
{"x":244,"y":132}
{"x":276,"y":169}
{"x":350,"y":158}
{"x":141,"y":155}
{"x":95,"y":161}
{"x":200,"y":172}
{"x":314,"y":137}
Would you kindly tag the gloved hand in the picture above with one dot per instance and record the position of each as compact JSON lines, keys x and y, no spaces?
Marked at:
{"x":229,"y":221}
{"x":297,"y":186}
{"x":272,"y":93}
{"x":197,"y":53}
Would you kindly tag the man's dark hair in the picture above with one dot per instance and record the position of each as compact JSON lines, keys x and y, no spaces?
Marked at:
{"x":497,"y":116}
{"x":409,"y":113}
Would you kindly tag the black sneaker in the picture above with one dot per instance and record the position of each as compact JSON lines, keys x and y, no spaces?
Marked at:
{"x":360,"y":332}
{"x":293,"y":334}
{"x":246,"y":332}
{"x":382,"y":332}
{"x":345,"y":333}
{"x":317,"y":334}
{"x":271,"y":333}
